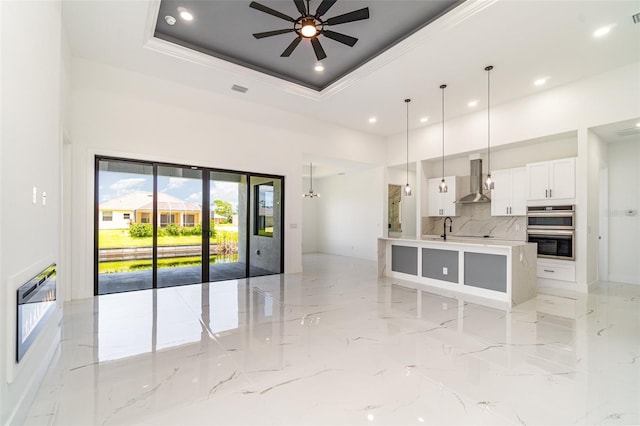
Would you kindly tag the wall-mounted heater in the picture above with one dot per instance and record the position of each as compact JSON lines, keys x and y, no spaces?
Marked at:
{"x":36,"y":302}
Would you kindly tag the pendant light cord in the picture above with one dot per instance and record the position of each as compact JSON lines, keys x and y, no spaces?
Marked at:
{"x":443,"y":87}
{"x":488,"y":69}
{"x":407,"y":102}
{"x":311,"y":177}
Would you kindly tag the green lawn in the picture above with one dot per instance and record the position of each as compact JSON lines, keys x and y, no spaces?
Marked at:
{"x":119,"y":238}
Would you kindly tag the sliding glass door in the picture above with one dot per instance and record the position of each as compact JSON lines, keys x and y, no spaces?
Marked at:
{"x":179,"y":231}
{"x":124,"y":226}
{"x":228,"y":228}
{"x":160,"y":225}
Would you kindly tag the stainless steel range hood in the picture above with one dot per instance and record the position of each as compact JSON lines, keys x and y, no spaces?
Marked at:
{"x":476,"y":195}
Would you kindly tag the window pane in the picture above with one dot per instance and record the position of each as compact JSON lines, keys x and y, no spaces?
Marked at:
{"x":264,"y":210}
{"x":180,"y":233}
{"x":124,"y":190}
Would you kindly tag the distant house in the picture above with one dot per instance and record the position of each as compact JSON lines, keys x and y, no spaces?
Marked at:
{"x":137,"y":207}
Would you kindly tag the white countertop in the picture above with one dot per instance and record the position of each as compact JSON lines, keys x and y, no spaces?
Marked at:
{"x":452,"y":239}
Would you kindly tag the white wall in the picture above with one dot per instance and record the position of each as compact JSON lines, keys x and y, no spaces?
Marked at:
{"x":598,"y":159}
{"x":349,"y":218}
{"x":507,"y":156}
{"x":551,"y":112}
{"x":122,"y":113}
{"x":30,"y":156}
{"x":624,"y":196}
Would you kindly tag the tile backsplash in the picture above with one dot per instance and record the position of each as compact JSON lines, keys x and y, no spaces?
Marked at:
{"x":476,"y":220}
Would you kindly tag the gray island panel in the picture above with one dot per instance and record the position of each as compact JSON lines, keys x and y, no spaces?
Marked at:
{"x":404,"y":259}
{"x":485,"y":271}
{"x":434,"y":261}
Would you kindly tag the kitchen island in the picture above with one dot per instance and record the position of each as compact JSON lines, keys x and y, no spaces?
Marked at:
{"x":497,"y":273}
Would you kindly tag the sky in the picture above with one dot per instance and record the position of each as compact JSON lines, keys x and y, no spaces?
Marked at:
{"x":115,"y":184}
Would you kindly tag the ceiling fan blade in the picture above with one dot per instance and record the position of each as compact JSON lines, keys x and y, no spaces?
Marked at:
{"x":342,"y":38}
{"x":301,"y":7}
{"x":287,"y":52}
{"x":272,"y":33}
{"x":356,"y":15}
{"x":317,"y":48}
{"x":272,"y":12}
{"x":324,"y":6}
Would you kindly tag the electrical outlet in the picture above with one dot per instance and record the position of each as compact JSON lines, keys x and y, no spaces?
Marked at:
{"x":34,"y":195}
{"x":445,"y":307}
{"x":445,"y":270}
{"x":517,"y":226}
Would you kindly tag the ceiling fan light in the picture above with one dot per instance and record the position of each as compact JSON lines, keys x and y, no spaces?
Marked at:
{"x":308,"y":28}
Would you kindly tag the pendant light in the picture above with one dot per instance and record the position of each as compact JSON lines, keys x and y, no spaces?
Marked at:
{"x":443,"y":185}
{"x":310,"y":194}
{"x":407,"y":188}
{"x":488,"y":183}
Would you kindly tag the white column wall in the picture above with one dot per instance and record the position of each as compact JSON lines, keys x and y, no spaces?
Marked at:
{"x":30,"y":156}
{"x":597,"y":161}
{"x":126,"y":114}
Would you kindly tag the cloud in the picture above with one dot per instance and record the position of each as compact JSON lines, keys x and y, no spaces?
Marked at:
{"x":225,"y":191}
{"x":196,"y":197}
{"x":175,"y":183}
{"x":127,"y":186}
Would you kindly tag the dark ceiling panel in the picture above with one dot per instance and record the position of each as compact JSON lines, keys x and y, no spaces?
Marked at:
{"x":224,"y":29}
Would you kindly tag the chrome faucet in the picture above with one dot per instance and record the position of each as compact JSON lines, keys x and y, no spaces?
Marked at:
{"x":444,"y":235}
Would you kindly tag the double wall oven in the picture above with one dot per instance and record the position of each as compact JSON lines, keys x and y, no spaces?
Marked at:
{"x":553,"y":229}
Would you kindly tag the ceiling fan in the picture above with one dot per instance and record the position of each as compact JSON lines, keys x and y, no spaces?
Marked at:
{"x":310,"y":26}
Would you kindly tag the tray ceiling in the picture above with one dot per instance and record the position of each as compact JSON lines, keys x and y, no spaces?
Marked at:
{"x":223,"y":29}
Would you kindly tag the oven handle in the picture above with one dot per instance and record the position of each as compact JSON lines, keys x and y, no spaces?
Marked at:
{"x":550,"y":232}
{"x":538,"y":213}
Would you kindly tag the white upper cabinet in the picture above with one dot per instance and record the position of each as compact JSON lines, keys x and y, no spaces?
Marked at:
{"x":509,"y":196}
{"x":552,"y":180}
{"x":442,"y":204}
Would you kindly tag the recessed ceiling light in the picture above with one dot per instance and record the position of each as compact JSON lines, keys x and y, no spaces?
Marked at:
{"x":472,"y":103}
{"x":424,"y":119}
{"x":170,"y":20}
{"x":185,"y":14}
{"x":319,"y":68}
{"x":603,"y":31}
{"x":541,"y":81}
{"x":372,"y":120}
{"x":638,"y":124}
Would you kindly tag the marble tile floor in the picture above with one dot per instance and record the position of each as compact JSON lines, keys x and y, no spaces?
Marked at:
{"x":336,"y":345}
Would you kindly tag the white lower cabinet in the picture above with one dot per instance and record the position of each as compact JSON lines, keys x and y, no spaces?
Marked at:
{"x":561,"y":270}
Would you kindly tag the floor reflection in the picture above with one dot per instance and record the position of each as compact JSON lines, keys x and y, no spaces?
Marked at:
{"x":338,"y":345}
